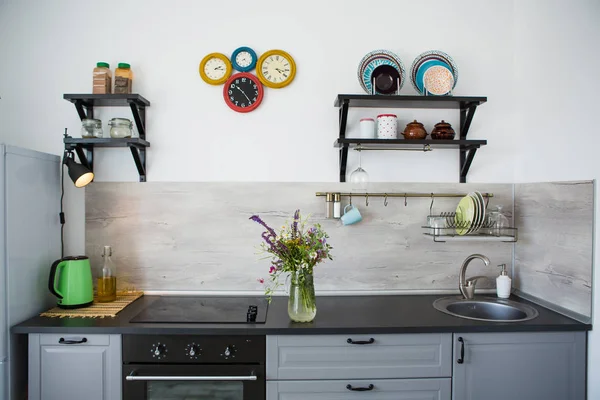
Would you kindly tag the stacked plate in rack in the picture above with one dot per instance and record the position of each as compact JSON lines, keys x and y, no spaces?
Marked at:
{"x":470,"y":214}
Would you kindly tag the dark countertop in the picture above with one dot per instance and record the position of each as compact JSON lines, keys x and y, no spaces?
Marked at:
{"x":335,"y":315}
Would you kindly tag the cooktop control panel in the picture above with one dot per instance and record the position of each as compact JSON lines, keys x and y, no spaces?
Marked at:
{"x":181,"y":349}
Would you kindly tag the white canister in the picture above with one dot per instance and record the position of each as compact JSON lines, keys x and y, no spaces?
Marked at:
{"x":387,"y":126}
{"x":367,"y":128}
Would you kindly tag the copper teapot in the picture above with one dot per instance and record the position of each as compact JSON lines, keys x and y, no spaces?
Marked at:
{"x":442,"y":131}
{"x":414,"y":130}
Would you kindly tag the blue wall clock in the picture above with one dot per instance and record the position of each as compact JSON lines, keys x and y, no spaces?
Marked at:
{"x":244,"y":59}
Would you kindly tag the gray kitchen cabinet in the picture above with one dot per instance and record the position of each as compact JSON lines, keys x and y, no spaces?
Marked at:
{"x":291,"y":357}
{"x":519,"y":366}
{"x":74,"y":367}
{"x":377,"y":389}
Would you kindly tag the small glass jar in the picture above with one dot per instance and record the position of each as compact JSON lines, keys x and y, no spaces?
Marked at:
{"x":120,"y":128}
{"x":91,"y":128}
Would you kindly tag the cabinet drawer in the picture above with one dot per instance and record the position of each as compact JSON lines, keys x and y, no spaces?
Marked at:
{"x":90,"y":340}
{"x":405,"y":389}
{"x":301,"y":357}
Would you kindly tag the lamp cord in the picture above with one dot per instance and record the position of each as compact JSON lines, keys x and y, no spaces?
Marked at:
{"x":62,"y":214}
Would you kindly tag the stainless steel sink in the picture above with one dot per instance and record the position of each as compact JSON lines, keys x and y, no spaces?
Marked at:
{"x":486,"y":309}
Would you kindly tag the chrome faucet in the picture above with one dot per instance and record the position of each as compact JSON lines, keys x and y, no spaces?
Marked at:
{"x":467,"y":286}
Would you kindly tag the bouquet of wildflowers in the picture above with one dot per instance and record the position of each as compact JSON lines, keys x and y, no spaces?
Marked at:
{"x":296,"y":249}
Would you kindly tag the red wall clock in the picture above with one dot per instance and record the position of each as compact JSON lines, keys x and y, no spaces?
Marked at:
{"x":243,"y":92}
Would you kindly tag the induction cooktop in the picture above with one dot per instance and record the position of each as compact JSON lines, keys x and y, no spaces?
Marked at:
{"x":207,"y":310}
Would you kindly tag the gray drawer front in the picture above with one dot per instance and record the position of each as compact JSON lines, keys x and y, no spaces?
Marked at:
{"x":296,"y":357}
{"x":91,"y":340}
{"x":387,"y":389}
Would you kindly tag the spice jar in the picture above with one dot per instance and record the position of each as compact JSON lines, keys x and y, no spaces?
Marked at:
{"x":91,"y":128}
{"x":123,"y":78}
{"x":120,"y":128}
{"x":102,"y":79}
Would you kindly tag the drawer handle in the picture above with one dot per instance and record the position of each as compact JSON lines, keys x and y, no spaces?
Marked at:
{"x":360,"y":389}
{"x":462,"y":351}
{"x":350,"y":341}
{"x":63,"y":341}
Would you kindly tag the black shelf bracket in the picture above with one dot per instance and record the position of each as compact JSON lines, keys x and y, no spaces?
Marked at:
{"x":139,"y":157}
{"x":466,"y":158}
{"x":139,"y":116}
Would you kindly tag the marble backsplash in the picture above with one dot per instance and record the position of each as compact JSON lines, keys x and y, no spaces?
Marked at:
{"x":198,"y":236}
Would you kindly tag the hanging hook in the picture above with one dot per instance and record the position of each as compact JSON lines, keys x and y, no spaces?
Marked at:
{"x":405,"y":203}
{"x":367,"y":199}
{"x":385,"y":202}
{"x":350,"y":196}
{"x":431,"y":205}
{"x":487,"y":200}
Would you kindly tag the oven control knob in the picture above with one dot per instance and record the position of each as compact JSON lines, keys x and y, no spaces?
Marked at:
{"x":229,"y":352}
{"x":159,"y":351}
{"x":193,"y":351}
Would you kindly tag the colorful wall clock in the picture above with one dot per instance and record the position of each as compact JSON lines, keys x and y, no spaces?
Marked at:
{"x":244,"y":59}
{"x":243,"y":92}
{"x":276,"y":69}
{"x":215,"y":68}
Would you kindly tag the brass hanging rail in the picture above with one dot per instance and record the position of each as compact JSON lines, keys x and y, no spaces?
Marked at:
{"x":427,"y":195}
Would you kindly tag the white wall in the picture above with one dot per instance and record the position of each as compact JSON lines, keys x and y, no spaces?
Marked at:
{"x":534,"y":60}
{"x":556,"y":76}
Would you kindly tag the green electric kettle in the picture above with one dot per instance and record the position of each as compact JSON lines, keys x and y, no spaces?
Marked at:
{"x":71,"y":281}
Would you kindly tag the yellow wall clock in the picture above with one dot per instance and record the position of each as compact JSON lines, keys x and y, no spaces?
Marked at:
{"x":276,"y":69}
{"x":215,"y":68}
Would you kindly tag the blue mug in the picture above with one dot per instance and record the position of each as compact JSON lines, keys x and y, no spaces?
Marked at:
{"x":351,"y":216}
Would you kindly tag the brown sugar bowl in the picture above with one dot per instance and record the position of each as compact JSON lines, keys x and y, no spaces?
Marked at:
{"x":443,"y":131}
{"x":414,"y":130}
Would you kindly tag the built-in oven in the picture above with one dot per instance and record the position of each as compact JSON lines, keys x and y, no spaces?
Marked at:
{"x":178,"y":367}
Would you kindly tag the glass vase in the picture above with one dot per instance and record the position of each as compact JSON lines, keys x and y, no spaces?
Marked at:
{"x":302,"y":305}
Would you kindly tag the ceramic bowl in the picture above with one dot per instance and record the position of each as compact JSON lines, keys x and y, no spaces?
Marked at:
{"x":438,"y":80}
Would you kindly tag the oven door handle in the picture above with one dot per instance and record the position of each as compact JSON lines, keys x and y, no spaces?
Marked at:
{"x":133,"y":377}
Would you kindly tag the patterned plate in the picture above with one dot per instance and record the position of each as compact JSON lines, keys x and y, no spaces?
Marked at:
{"x":373,"y":60}
{"x":438,"y":80}
{"x":432,"y":55}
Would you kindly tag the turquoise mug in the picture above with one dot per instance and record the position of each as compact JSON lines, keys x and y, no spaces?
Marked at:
{"x":351,"y":216}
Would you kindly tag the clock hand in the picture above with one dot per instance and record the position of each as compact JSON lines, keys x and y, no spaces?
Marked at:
{"x":278,"y":70}
{"x":219,"y":67}
{"x":244,"y":93}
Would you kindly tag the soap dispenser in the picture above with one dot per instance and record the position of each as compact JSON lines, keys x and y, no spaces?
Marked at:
{"x":503,"y":283}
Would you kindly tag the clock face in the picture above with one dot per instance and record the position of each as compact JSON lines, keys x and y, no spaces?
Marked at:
{"x":215,"y":68}
{"x":244,"y":59}
{"x":243,"y":92}
{"x":276,"y":69}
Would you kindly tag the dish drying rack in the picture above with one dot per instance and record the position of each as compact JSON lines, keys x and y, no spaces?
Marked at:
{"x":487,"y":232}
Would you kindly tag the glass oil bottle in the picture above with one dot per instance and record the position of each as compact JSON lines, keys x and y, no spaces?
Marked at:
{"x":107,"y":283}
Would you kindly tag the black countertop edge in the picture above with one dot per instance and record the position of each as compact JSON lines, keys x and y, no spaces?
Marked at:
{"x":335,"y":315}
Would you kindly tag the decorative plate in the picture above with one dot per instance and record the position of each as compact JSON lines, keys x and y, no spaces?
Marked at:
{"x":438,"y":80}
{"x":428,"y":56}
{"x":374,"y":59}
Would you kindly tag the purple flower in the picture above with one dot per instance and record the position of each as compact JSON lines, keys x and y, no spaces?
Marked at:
{"x":261,"y":280}
{"x":272,"y":269}
{"x":256,"y":218}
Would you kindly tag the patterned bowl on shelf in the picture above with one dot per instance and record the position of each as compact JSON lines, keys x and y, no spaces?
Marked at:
{"x":374,"y":59}
{"x":426,"y":57}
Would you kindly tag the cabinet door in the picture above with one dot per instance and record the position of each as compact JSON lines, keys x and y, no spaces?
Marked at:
{"x":60,"y":370}
{"x":381,"y":389}
{"x":527,"y":366}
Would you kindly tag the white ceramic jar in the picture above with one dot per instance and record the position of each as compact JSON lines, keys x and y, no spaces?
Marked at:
{"x":387,"y":126}
{"x":367,"y":128}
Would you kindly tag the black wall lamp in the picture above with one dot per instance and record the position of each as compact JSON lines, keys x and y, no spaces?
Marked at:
{"x":81,"y":174}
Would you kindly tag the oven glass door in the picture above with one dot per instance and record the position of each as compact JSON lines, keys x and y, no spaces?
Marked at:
{"x":193,"y":382}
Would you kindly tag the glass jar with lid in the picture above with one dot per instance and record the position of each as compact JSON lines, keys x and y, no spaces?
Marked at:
{"x":91,"y":128}
{"x":120,"y":128}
